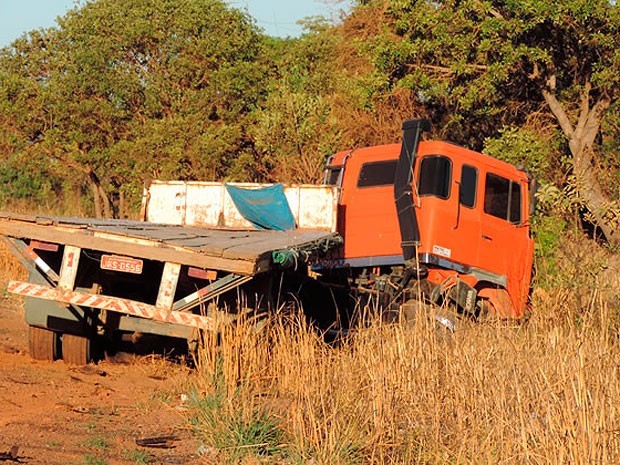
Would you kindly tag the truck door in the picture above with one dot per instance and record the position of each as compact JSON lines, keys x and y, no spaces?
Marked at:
{"x":449,"y":221}
{"x":505,"y":241}
{"x":370,"y":224}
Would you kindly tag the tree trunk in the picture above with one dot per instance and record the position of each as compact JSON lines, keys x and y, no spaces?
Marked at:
{"x":96,"y":201}
{"x":121,"y":205}
{"x":100,"y":198}
{"x":103,"y":208}
{"x":581,"y":140}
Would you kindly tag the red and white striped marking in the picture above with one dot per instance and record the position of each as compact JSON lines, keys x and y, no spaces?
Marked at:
{"x":195,"y":298}
{"x":115,"y":304}
{"x":40,"y":263}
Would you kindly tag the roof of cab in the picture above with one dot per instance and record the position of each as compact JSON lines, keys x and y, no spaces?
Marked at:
{"x":391,"y":151}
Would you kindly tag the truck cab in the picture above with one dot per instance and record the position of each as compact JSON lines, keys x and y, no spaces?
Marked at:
{"x":472,"y":213}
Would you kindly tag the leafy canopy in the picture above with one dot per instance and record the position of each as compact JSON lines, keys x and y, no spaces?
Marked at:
{"x":125,"y":91}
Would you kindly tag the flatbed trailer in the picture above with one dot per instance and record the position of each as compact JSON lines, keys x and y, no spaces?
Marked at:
{"x":92,"y":276}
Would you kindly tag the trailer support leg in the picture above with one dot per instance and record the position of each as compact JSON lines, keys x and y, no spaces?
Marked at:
{"x":68,"y":271}
{"x":167,"y":288}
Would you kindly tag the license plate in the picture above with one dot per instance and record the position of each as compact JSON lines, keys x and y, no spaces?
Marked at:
{"x":124,"y":264}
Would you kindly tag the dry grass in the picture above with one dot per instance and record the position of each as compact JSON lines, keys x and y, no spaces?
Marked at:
{"x":10,"y":266}
{"x":546,"y":391}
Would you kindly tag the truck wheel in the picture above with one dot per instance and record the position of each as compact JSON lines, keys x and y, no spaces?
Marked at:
{"x":76,"y":350}
{"x":43,"y":343}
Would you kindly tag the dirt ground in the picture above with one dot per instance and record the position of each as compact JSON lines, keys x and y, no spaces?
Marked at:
{"x":53,"y":413}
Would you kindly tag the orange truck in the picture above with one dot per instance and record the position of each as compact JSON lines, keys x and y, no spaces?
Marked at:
{"x":452,"y":218}
{"x":417,"y":221}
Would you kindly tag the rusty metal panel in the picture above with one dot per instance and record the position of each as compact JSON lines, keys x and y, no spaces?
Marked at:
{"x":318,"y":207}
{"x":204,"y":204}
{"x":208,"y":204}
{"x":166,"y":202}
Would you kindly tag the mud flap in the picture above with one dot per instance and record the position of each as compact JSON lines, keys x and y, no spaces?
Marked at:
{"x":464,"y":296}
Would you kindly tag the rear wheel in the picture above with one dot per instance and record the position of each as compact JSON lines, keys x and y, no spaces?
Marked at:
{"x":77,"y":350}
{"x":43,"y":343}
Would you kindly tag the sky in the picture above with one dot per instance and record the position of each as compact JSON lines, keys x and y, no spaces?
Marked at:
{"x":275,"y":17}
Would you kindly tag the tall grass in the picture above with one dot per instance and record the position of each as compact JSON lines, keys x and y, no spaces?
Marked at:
{"x":545,"y":391}
{"x":10,"y":266}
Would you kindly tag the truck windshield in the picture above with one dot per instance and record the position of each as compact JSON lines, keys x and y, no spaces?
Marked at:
{"x":378,"y":173}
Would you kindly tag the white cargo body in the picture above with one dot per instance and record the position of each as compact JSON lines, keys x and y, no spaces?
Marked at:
{"x":194,"y":203}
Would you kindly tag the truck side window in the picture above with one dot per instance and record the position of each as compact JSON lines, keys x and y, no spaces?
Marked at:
{"x":515,"y":203}
{"x":435,"y":176}
{"x":378,"y":173}
{"x":332,"y":175}
{"x":502,"y":198}
{"x":469,"y":181}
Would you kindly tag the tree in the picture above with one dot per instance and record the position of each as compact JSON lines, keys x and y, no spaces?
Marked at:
{"x":121,"y":92}
{"x":483,"y":65}
{"x":297,"y":129}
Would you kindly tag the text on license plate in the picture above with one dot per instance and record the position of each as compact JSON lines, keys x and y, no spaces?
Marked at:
{"x":124,"y":264}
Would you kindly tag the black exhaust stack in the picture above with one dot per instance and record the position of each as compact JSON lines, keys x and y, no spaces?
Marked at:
{"x":403,"y":192}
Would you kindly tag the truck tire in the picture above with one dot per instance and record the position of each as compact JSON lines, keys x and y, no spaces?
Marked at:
{"x":43,"y":343}
{"x":77,"y":350}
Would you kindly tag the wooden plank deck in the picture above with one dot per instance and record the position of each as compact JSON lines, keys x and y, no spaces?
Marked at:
{"x":246,"y":252}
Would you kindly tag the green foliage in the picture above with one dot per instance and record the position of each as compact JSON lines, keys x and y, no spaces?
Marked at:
{"x":235,"y":430}
{"x":548,"y":233}
{"x":479,"y":65}
{"x":137,"y":456}
{"x":297,"y":129}
{"x":123,"y":92}
{"x":525,"y":147}
{"x":97,"y":443}
{"x":558,"y":202}
{"x":18,"y":184}
{"x":608,"y":162}
{"x":294,"y":136}
{"x":93,"y":460}
{"x":568,"y":201}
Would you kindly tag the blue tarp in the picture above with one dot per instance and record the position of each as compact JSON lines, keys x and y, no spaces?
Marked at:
{"x":265,"y":208}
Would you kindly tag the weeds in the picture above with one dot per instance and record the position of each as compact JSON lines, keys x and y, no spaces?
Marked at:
{"x":542,"y":391}
{"x":97,"y":443}
{"x":137,"y":456}
{"x":233,"y":429}
{"x":93,"y":460}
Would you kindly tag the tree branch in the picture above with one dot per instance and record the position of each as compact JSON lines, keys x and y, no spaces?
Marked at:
{"x":447,"y":70}
{"x":558,"y":111}
{"x":595,"y":117}
{"x":584,"y":110}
